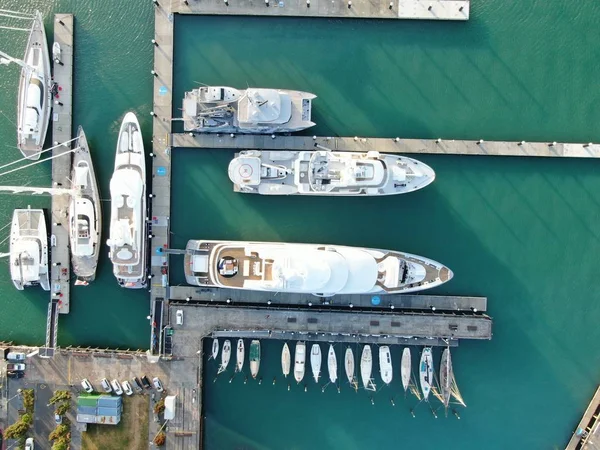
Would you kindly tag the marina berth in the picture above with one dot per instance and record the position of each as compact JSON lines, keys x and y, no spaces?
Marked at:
{"x":324,"y":172}
{"x":222,"y":109}
{"x":127,"y":240}
{"x":323,"y":270}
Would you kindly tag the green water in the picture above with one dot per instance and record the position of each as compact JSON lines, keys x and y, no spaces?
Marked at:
{"x":522,"y":232}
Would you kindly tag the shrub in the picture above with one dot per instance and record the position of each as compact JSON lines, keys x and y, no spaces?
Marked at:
{"x":28,"y":399}
{"x":62,"y":409}
{"x":27,"y":418}
{"x":16,"y":430}
{"x":60,"y":445}
{"x":160,"y":439}
{"x":160,"y":406}
{"x":60,"y":396}
{"x":60,"y":432}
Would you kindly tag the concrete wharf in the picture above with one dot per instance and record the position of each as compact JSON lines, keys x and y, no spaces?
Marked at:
{"x":346,"y":9}
{"x":587,"y":433}
{"x":385,"y":145}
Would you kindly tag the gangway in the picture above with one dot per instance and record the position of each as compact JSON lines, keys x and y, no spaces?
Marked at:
{"x":51,"y":330}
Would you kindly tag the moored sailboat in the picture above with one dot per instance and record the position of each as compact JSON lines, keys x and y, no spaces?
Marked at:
{"x":446,"y":377}
{"x":426,"y":372}
{"x":215,"y":349}
{"x":385,"y":364}
{"x":332,"y":364}
{"x":299,"y":361}
{"x":349,"y":367}
{"x":366,"y":367}
{"x":405,"y":368}
{"x":254,"y":357}
{"x":315,"y":361}
{"x":285,"y":360}
{"x":240,"y":355}
{"x":225,"y":356}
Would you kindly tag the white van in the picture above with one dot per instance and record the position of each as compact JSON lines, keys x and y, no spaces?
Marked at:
{"x":15,"y":357}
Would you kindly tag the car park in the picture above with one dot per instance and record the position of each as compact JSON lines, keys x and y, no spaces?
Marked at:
{"x":137,"y":385}
{"x":13,"y":367}
{"x":127,"y":388}
{"x":146,"y":382}
{"x":87,"y":386}
{"x":15,"y":357}
{"x":105,"y":385}
{"x":157,"y":384}
{"x":116,"y":387}
{"x":29,"y":444}
{"x":179,"y":317}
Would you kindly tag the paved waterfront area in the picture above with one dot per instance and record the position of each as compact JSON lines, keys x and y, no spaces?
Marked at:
{"x":387,"y":145}
{"x":587,"y":433}
{"x":357,"y":9}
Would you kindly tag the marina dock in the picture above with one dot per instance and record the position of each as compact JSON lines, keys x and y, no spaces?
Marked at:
{"x":587,"y":433}
{"x":345,"y":9}
{"x":386,"y":145}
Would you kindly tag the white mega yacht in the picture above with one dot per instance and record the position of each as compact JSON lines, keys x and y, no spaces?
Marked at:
{"x":323,"y":270}
{"x":29,"y":249}
{"x":35,"y":97}
{"x":85,"y":215}
{"x":222,"y":109}
{"x":127,"y":240}
{"x":324,"y":172}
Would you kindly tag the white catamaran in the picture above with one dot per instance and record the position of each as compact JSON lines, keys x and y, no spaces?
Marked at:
{"x":127,"y":239}
{"x":222,"y":109}
{"x":323,"y":270}
{"x":324,"y":172}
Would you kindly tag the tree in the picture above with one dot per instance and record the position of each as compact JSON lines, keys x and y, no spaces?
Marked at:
{"x":28,"y":399}
{"x":159,"y":407}
{"x":60,"y":445}
{"x":60,"y":396}
{"x":61,"y":431}
{"x":62,"y":409}
{"x":160,"y":439}
{"x":16,"y":430}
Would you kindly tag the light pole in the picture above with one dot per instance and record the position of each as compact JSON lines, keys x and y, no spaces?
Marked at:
{"x":16,"y":395}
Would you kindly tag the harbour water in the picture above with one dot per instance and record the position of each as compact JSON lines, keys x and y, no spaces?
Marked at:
{"x":522,"y":232}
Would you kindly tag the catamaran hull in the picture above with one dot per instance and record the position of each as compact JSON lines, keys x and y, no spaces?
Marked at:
{"x":28,"y":251}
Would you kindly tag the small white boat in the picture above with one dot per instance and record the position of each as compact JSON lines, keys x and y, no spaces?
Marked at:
{"x":299,"y":361}
{"x":446,"y":376}
{"x":225,"y":356}
{"x":332,"y":364}
{"x":349,"y":365}
{"x":240,"y":355}
{"x":426,"y":372}
{"x":405,"y":368}
{"x":385,"y":364}
{"x":254,"y":357}
{"x":285,"y":360}
{"x":56,"y":52}
{"x":366,"y":367}
{"x":315,"y":361}
{"x":215,"y":348}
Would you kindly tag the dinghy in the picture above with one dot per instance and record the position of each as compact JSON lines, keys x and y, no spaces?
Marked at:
{"x":349,"y":365}
{"x":215,"y":348}
{"x":405,"y":368}
{"x":225,"y":356}
{"x":366,"y":367}
{"x":385,"y":364}
{"x":299,"y":361}
{"x":285,"y":360}
{"x":315,"y":361}
{"x":426,"y":372}
{"x":240,"y":355}
{"x":254,"y":357}
{"x":332,"y":364}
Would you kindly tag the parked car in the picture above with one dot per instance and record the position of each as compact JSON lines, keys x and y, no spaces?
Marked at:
{"x":13,"y":374}
{"x":146,"y":382}
{"x":179,"y":317}
{"x":105,"y":385}
{"x":157,"y":384}
{"x":57,"y":419}
{"x":127,"y":388}
{"x":29,"y":444}
{"x":137,"y":385}
{"x":116,"y":387}
{"x":87,"y":386}
{"x":15,"y":357}
{"x":18,"y":367}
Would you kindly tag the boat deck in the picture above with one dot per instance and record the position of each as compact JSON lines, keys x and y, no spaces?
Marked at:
{"x":587,"y":432}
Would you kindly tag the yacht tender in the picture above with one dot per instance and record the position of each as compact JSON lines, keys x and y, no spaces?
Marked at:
{"x":323,"y":270}
{"x":127,"y":239}
{"x":324,"y":172}
{"x":29,"y":249}
{"x":222,"y":109}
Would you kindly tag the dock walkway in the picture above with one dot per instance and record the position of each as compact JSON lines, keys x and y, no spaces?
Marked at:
{"x":61,"y":167}
{"x":386,"y":145}
{"x":587,"y":434}
{"x":344,"y":9}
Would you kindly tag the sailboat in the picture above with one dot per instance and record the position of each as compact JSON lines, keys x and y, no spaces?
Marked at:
{"x":405,"y":369}
{"x":240,"y":355}
{"x":285,"y":360}
{"x":215,"y":348}
{"x":349,"y":366}
{"x":85,"y":216}
{"x":127,"y":239}
{"x":446,"y":377}
{"x":299,"y":361}
{"x":426,"y":372}
{"x":225,"y":356}
{"x":366,"y":366}
{"x":315,"y":361}
{"x":29,"y":249}
{"x":385,"y":364}
{"x":332,"y":364}
{"x":254,"y":357}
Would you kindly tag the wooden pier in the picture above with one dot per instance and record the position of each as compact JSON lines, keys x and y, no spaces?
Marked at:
{"x":385,"y":145}
{"x":344,"y":9}
{"x":587,"y":434}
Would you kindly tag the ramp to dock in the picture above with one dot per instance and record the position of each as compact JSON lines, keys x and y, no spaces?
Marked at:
{"x":51,"y":330}
{"x":587,"y":433}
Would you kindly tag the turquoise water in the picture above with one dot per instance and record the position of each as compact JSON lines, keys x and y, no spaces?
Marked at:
{"x":521,"y":231}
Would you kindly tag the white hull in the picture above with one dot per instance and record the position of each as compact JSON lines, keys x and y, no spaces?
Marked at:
{"x":315,"y":361}
{"x":299,"y":361}
{"x":239,"y":362}
{"x":327,"y":173}
{"x":446,"y":376}
{"x":215,"y":349}
{"x":127,"y":240}
{"x":285,"y":360}
{"x":323,"y":270}
{"x":366,"y":367}
{"x":426,"y":372}
{"x":225,"y":356}
{"x":385,"y":364}
{"x":405,"y":368}
{"x":35,"y":97}
{"x":254,"y":358}
{"x":28,"y":252}
{"x":332,"y":364}
{"x":349,"y":365}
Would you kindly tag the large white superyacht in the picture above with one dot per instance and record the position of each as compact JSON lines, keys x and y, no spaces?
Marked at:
{"x":325,"y":172}
{"x":323,"y":270}
{"x":222,"y":109}
{"x":127,"y":240}
{"x":29,"y":249}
